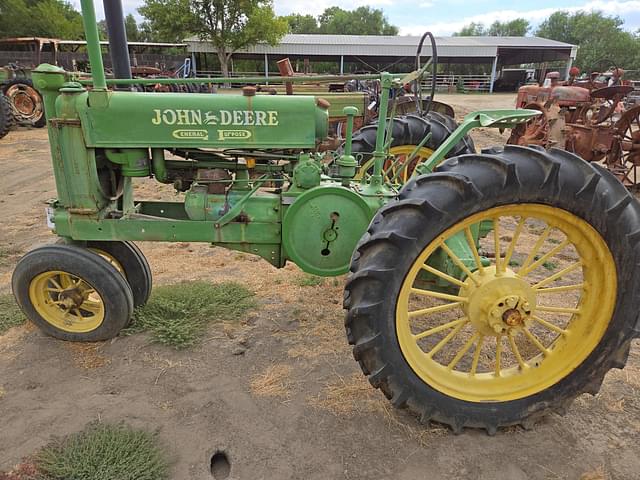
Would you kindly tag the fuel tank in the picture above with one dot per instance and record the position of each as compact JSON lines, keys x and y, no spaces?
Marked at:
{"x":228,"y":121}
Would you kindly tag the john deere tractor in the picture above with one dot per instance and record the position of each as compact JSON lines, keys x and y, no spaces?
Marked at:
{"x":486,"y":290}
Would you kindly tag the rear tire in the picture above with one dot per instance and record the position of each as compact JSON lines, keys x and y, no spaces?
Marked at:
{"x":24,"y":87}
{"x":72,"y":294}
{"x":464,"y":187}
{"x":6,"y":116}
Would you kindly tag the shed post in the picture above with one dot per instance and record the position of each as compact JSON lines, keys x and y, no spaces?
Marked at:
{"x":341,"y":64}
{"x":569,"y":65}
{"x":266,"y":67}
{"x":493,"y":73}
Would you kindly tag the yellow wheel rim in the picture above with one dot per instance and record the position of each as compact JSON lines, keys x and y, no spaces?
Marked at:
{"x":394,"y":170}
{"x":512,"y":324}
{"x":66,"y":301}
{"x":109,"y":258}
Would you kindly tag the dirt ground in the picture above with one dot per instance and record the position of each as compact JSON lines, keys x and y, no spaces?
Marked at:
{"x":278,"y":390}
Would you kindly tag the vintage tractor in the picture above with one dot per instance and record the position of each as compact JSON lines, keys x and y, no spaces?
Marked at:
{"x":589,"y":120}
{"x":25,"y":101}
{"x":485,"y":292}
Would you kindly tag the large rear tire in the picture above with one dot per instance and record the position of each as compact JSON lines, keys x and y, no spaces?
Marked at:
{"x":26,"y":102}
{"x":508,"y":340}
{"x":408,"y":132}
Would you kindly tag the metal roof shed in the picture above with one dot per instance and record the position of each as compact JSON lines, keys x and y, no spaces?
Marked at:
{"x":394,"y":49}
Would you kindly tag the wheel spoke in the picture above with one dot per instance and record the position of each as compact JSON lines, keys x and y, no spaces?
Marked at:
{"x":436,"y":309}
{"x":516,"y":352}
{"x":545,"y":308}
{"x":514,"y":241}
{"x":564,"y":288}
{"x":498,"y":355}
{"x":474,"y":250}
{"x":440,"y":328}
{"x":440,"y":295}
{"x":445,"y":340}
{"x":544,"y":258}
{"x":442,"y":275}
{"x":496,"y":245}
{"x":458,"y":262}
{"x":476,"y":355}
{"x":558,"y":275}
{"x":56,"y":284}
{"x":56,"y":290}
{"x":545,"y":351}
{"x":463,"y":351}
{"x":549,"y":325}
{"x":534,"y":251}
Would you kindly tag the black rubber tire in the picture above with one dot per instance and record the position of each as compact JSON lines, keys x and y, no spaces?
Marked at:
{"x":6,"y":116}
{"x":99,"y":273}
{"x":135,"y":265}
{"x":411,"y":130}
{"x":427,"y":206}
{"x":40,"y":121}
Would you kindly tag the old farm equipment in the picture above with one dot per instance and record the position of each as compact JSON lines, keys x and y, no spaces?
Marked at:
{"x":588,"y":120}
{"x":491,"y":289}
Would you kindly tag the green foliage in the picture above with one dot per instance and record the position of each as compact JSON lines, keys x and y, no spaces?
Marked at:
{"x":40,"y":18}
{"x":514,"y":28}
{"x":229,"y":25}
{"x":104,"y":452}
{"x":10,"y":314}
{"x":361,"y":21}
{"x":176,"y":315}
{"x":550,"y":265}
{"x":308,"y":280}
{"x":302,"y":23}
{"x":603,"y":43}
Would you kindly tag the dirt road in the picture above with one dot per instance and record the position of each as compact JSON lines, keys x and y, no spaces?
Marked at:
{"x":278,"y":390}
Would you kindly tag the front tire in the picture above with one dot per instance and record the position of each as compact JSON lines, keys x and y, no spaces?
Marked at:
{"x":72,"y":294}
{"x":585,"y":330}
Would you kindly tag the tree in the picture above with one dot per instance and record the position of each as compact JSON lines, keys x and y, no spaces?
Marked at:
{"x":472,"y":30}
{"x":134,"y":34}
{"x":42,"y":18}
{"x":514,"y":28}
{"x":361,"y":21}
{"x":602,"y":41}
{"x":229,"y":25}
{"x":301,"y":23}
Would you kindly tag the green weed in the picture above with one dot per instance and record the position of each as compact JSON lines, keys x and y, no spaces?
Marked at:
{"x":104,"y":452}
{"x":550,"y":265}
{"x":10,"y":314}
{"x":308,"y":280}
{"x":177,"y":315}
{"x":514,"y":263}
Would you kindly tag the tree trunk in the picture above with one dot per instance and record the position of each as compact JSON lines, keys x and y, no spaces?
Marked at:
{"x":224,"y":62}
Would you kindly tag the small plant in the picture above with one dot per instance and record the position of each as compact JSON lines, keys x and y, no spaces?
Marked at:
{"x":176,"y":315}
{"x":10,"y":314}
{"x":308,"y":280}
{"x":550,"y":265}
{"x":514,"y":263}
{"x":104,"y":452}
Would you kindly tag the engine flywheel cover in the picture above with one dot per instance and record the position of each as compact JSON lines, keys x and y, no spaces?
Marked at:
{"x":322,"y":227}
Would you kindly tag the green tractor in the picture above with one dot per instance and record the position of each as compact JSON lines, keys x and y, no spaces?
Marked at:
{"x":486,"y":290}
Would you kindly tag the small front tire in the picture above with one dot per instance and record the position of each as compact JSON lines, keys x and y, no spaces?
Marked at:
{"x":72,"y":294}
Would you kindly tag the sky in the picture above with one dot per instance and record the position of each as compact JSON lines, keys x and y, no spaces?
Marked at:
{"x":443,"y":17}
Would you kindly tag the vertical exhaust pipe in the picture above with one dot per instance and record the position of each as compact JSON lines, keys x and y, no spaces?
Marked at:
{"x":118,"y":45}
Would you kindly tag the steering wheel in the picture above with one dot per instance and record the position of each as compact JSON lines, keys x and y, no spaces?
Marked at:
{"x":434,"y":71}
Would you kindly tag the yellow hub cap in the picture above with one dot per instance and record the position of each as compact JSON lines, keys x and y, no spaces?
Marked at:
{"x":394,"y":169}
{"x":531,"y":302}
{"x":66,"y":301}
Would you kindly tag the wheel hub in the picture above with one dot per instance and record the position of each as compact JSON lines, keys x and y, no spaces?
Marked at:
{"x":498,"y":301}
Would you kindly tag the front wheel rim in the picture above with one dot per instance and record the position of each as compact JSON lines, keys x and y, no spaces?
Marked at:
{"x":67,"y":302}
{"x":495,"y":309}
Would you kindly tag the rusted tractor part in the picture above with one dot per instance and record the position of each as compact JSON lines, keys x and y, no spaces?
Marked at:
{"x":624,"y":157}
{"x":610,"y":98}
{"x":533,"y":132}
{"x":26,"y":102}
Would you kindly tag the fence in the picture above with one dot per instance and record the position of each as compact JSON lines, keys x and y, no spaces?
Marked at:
{"x":453,"y":83}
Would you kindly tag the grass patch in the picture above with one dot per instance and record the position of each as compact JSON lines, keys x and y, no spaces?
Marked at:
{"x":177,"y":315}
{"x":514,"y":263}
{"x":104,"y":452}
{"x":308,"y":280}
{"x":10,"y":313}
{"x":550,"y":265}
